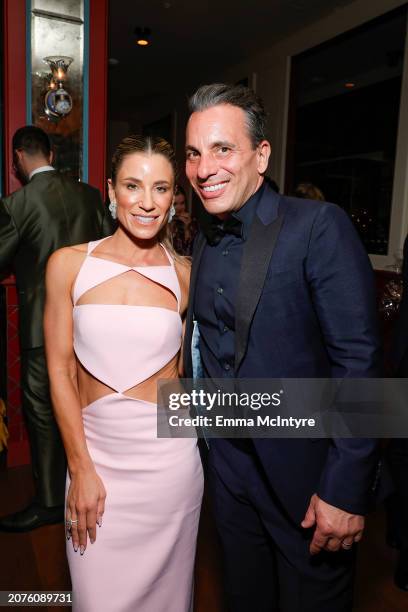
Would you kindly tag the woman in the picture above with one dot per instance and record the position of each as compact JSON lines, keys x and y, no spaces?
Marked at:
{"x":113,"y":326}
{"x":184,"y":228}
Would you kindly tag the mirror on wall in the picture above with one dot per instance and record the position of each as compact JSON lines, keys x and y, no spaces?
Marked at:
{"x":57,"y":88}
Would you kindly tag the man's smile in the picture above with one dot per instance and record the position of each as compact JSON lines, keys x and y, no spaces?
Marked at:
{"x":214,"y":189}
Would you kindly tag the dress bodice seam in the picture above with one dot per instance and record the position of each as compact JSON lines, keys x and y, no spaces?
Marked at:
{"x":128,"y":306}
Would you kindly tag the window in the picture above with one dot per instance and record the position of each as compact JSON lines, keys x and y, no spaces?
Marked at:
{"x":343,"y":122}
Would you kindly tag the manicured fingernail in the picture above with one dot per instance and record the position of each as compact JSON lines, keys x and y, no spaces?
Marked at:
{"x":82,"y":549}
{"x":76,"y":547}
{"x":92,"y":540}
{"x":68,"y":536}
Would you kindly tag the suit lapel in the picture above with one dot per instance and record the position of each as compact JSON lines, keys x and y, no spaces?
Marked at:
{"x":197,"y":253}
{"x":256,"y":257}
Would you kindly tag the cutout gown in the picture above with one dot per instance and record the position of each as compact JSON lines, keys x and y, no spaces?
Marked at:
{"x":143,"y":557}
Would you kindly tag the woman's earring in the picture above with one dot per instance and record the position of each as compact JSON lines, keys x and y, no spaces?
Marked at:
{"x":172,"y":212}
{"x":113,"y":210}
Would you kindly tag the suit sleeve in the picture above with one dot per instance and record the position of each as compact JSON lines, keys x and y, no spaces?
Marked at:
{"x":343,"y":294}
{"x":9,"y":237}
{"x":399,"y":345}
{"x":403,"y":318}
{"x":405,"y":264}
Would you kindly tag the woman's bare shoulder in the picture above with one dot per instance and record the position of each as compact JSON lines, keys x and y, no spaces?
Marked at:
{"x":66,"y":254}
{"x":67,"y":260}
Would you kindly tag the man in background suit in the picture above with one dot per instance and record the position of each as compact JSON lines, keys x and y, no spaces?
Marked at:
{"x":51,"y":211}
{"x":280,"y":288}
{"x":398,"y":447}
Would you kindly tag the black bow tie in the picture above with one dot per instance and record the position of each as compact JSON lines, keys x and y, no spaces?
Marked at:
{"x":217,"y":229}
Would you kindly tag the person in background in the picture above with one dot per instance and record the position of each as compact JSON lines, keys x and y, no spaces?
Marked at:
{"x":308,"y":191}
{"x":49,"y":212}
{"x":398,"y":447}
{"x":184,"y":228}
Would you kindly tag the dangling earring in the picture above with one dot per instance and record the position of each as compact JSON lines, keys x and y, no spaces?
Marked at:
{"x":172,"y":212}
{"x":113,"y":210}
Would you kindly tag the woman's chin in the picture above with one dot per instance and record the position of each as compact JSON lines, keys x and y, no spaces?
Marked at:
{"x":144,"y":232}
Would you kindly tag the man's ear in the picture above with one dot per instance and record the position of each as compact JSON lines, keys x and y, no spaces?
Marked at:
{"x":19,"y":154}
{"x":263,"y":154}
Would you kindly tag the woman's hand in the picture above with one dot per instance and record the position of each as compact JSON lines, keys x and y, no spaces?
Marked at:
{"x":85,"y":506}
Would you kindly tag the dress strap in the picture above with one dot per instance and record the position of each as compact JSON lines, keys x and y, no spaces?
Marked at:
{"x":169,"y":257}
{"x":94,"y":243}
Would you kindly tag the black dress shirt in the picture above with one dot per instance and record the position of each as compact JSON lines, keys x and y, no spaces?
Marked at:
{"x":215,"y":295}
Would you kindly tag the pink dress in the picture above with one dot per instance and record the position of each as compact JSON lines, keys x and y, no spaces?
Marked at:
{"x":143,"y":557}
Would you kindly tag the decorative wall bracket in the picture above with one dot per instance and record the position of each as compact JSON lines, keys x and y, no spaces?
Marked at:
{"x":57,"y":102}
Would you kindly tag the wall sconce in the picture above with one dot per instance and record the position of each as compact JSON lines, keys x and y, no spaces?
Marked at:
{"x":58,"y":102}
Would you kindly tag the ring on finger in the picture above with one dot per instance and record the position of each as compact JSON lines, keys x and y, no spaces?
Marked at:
{"x":347,"y":545}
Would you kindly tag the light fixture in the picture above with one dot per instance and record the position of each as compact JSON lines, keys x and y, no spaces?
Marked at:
{"x":143,"y":36}
{"x":58,"y":102}
{"x":349,"y":85}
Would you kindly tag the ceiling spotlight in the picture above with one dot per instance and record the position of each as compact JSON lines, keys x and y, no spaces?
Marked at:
{"x":349,"y":85}
{"x":143,"y":36}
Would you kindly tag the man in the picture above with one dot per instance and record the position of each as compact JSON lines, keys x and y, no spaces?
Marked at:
{"x":279,"y":290}
{"x":51,"y":211}
{"x":398,"y":447}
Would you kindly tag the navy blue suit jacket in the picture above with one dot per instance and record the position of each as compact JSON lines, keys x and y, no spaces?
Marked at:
{"x":305,"y":308}
{"x":399,"y":351}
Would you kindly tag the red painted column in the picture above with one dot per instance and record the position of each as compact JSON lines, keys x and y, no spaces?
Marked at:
{"x":98,"y":78}
{"x":14,"y":94}
{"x":18,"y":446}
{"x":14,"y":85}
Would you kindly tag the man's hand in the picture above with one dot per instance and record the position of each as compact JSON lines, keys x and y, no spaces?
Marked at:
{"x":335,"y":528}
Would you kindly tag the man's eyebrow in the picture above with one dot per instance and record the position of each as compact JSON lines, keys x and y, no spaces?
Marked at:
{"x":223,"y":143}
{"x":215,"y":145}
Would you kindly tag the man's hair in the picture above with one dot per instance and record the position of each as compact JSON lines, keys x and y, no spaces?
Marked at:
{"x":308,"y":191}
{"x":32,"y":140}
{"x":142,"y":144}
{"x":208,"y":96}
